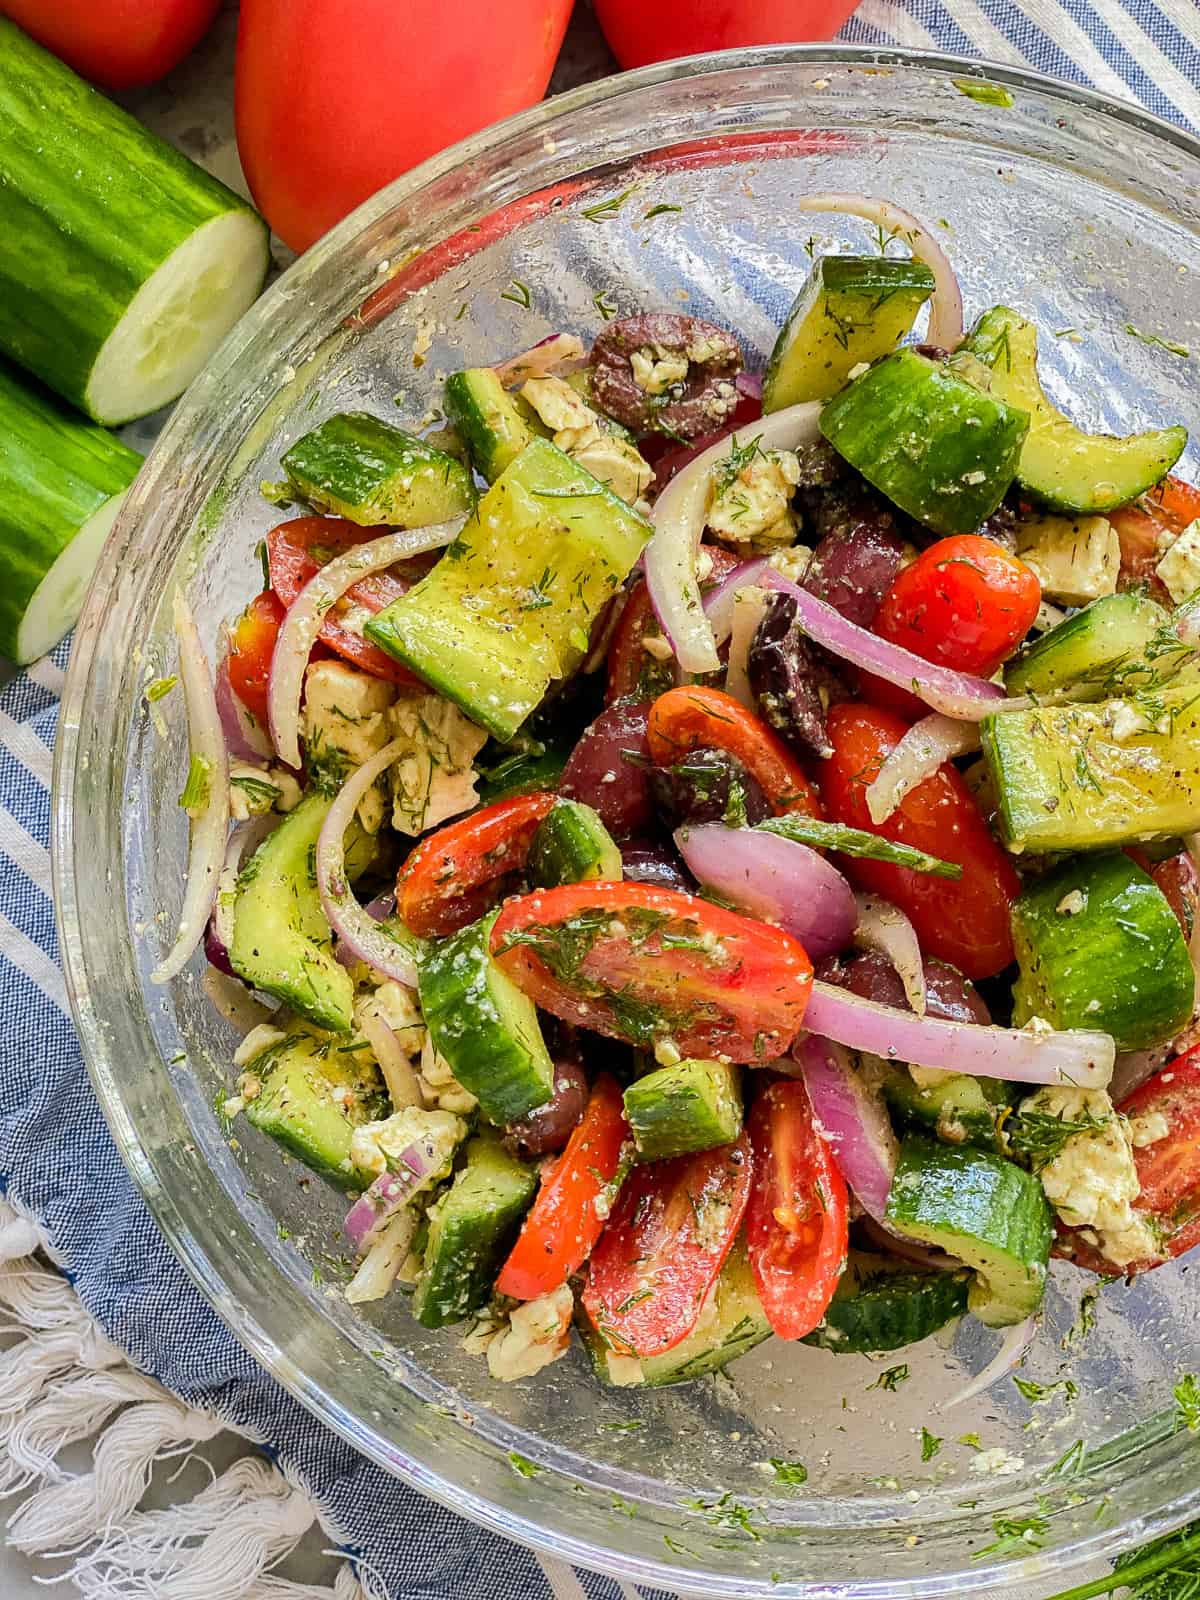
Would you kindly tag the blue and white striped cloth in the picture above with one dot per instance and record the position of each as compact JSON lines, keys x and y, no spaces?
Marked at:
{"x":56,"y":1159}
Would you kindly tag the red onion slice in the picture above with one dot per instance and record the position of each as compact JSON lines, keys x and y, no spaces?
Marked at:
{"x":853,"y":1121}
{"x":776,"y":880}
{"x":384,"y":1259}
{"x":389,"y":1192}
{"x":1012,"y":1350}
{"x":206,"y":743}
{"x":884,"y":927}
{"x":922,"y":1255}
{"x":306,"y":616}
{"x":945,"y":305}
{"x":244,"y":739}
{"x":403,"y":1085}
{"x":927,"y":745}
{"x":747,"y":614}
{"x":955,"y":694}
{"x":719,"y":601}
{"x":1081,"y":1059}
{"x":550,"y":357}
{"x":678,"y":517}
{"x":352,"y":923}
{"x":231,"y":998}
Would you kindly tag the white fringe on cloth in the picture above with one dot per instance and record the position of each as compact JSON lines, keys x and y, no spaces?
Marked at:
{"x":62,"y":1382}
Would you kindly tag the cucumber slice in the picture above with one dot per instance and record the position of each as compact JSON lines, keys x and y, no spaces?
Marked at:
{"x":958,"y":1108}
{"x":122,"y":264}
{"x":1065,"y":468}
{"x":1083,"y":777}
{"x":572,"y":845}
{"x":484,"y":1026}
{"x":1098,"y":652}
{"x":62,"y":483}
{"x":281,"y":942}
{"x":495,"y":424}
{"x":883,"y":1304}
{"x":522,"y":772}
{"x":472,"y":1227}
{"x":511,"y":604}
{"x":823,"y":835}
{"x":731,"y":1322}
{"x":311,"y":1100}
{"x":933,"y":443}
{"x":983,"y":1210}
{"x":358,"y":467}
{"x":691,"y":1105}
{"x":1100,"y":947}
{"x":852,"y":309}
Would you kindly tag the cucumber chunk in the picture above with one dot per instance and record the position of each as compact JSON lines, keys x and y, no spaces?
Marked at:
{"x":934,"y":444}
{"x":731,"y":1322}
{"x":122,"y":264}
{"x":495,"y":424}
{"x":1087,"y":777}
{"x":852,"y":309}
{"x":958,"y":1108}
{"x":358,"y":467}
{"x":572,"y":845}
{"x":983,"y":1210}
{"x":1099,"y":947}
{"x":521,"y":772}
{"x":883,"y":1304}
{"x":312,"y":1098}
{"x":511,"y":604}
{"x":1100,"y":651}
{"x":472,"y":1227}
{"x":1064,"y":467}
{"x":484,"y":1026}
{"x":691,"y":1105}
{"x":62,"y":483}
{"x":281,"y":942}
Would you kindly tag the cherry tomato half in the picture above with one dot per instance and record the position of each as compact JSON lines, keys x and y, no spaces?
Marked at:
{"x":1176,"y":876}
{"x":797,"y":1221}
{"x":965,"y":603}
{"x":1145,"y":525}
{"x":667,"y":1240}
{"x":700,"y":718}
{"x":963,"y":921}
{"x":563,"y":1224}
{"x":643,"y":964}
{"x":452,"y":878}
{"x":251,"y":645}
{"x":633,"y":672}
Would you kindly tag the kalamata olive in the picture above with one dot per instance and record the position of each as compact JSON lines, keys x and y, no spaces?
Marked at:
{"x":608,"y":768}
{"x":947,"y":993}
{"x":661,"y":373}
{"x":547,"y":1128}
{"x":708,"y":786}
{"x":644,"y":861}
{"x":786,"y":678}
{"x":857,"y":558}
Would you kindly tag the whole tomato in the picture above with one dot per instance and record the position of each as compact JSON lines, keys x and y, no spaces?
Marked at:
{"x":638,"y":32}
{"x":333,"y":100}
{"x":118,"y":44}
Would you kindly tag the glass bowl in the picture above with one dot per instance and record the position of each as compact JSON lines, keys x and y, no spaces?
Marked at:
{"x":1082,"y":212}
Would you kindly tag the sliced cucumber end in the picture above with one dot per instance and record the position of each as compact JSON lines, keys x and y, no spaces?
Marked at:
{"x":55,"y":604}
{"x":178,"y":318}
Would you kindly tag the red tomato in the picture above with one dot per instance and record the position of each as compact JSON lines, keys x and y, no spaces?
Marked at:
{"x":964,"y":603}
{"x":638,"y":33}
{"x":557,"y":1236}
{"x":334,"y":101}
{"x":667,"y":1240}
{"x":452,"y":878}
{"x":965,"y":921}
{"x":633,"y":673}
{"x":1142,"y":525}
{"x":299,"y":548}
{"x":118,"y":44}
{"x":641,"y":964}
{"x":797,"y":1221}
{"x":1176,"y":876}
{"x":702,"y":718}
{"x":251,"y":645}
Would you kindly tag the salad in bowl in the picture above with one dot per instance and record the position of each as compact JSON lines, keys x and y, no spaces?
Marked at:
{"x":698,"y":855}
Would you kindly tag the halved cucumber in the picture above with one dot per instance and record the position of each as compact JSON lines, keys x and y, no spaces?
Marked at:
{"x":1100,"y":947}
{"x":356,"y":466}
{"x":983,"y":1210}
{"x":884,"y":1304}
{"x":122,"y":264}
{"x":1098,"y":652}
{"x":484,"y":1026}
{"x":62,"y":482}
{"x":572,"y":845}
{"x":691,"y":1105}
{"x":311,"y":1100}
{"x":958,"y":1108}
{"x":495,"y":424}
{"x":927,"y":438}
{"x":851,"y":309}
{"x":1063,"y":466}
{"x":522,"y":772}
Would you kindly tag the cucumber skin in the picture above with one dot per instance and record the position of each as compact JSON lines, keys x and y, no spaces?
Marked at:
{"x":942,"y":1106}
{"x":675,"y":1110}
{"x":296,"y":1108}
{"x":878,"y":1306}
{"x":91,"y":204}
{"x":56,"y":471}
{"x":488,"y":418}
{"x":1121,"y":964}
{"x":355,"y":465}
{"x":886,"y":425}
{"x":1085,"y":650}
{"x":572,"y":845}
